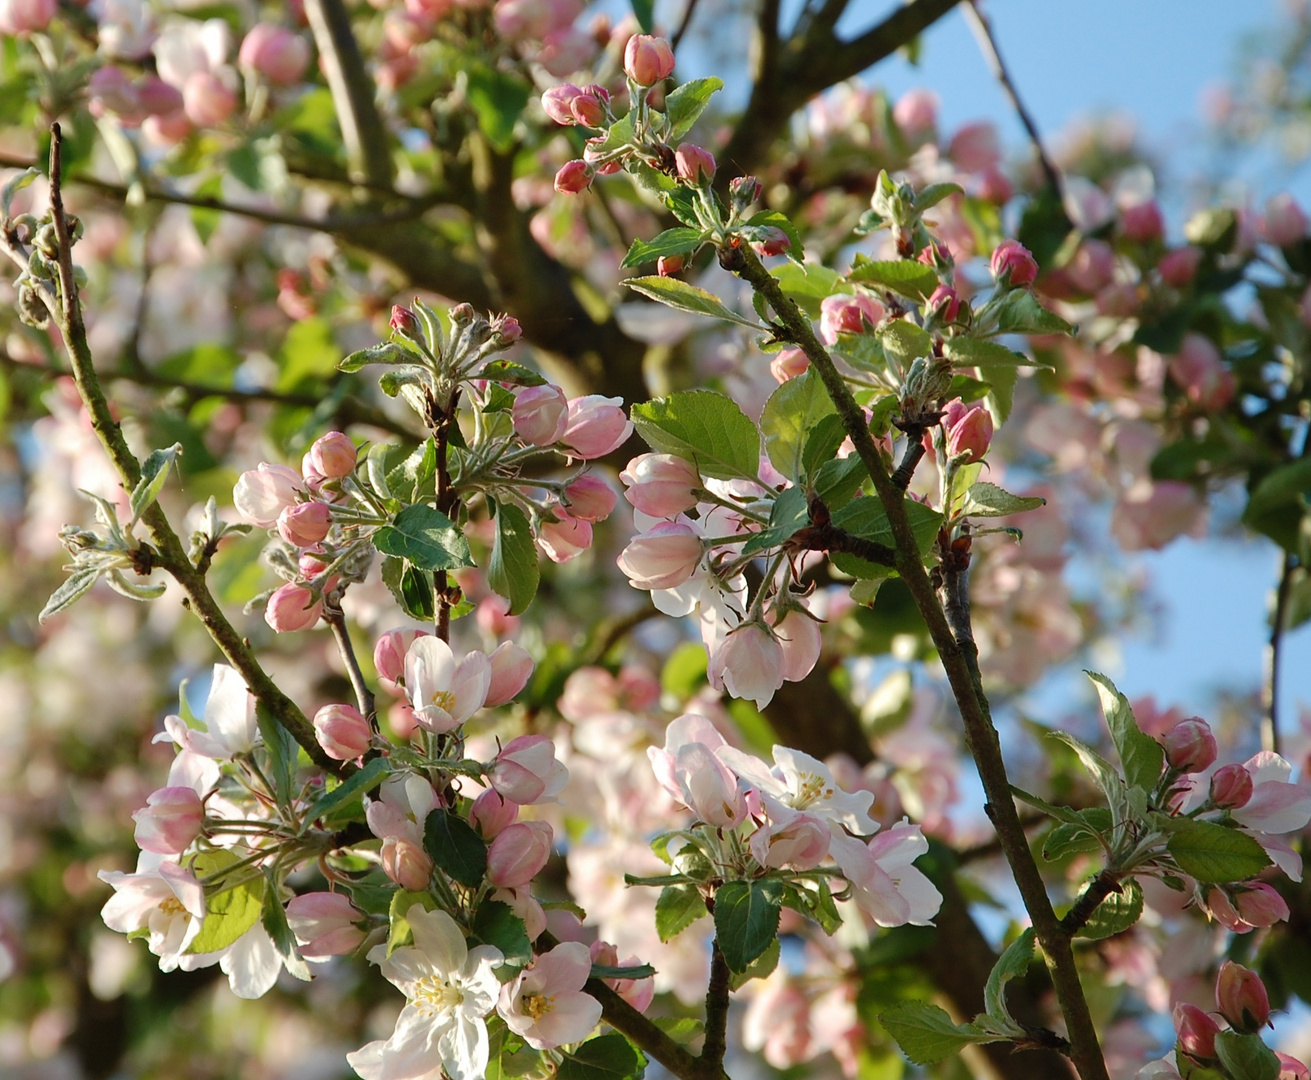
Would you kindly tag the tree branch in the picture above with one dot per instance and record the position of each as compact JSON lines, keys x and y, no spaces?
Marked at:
{"x":171,"y":555}
{"x":362,"y":127}
{"x":1274,"y":655}
{"x":959,"y":661}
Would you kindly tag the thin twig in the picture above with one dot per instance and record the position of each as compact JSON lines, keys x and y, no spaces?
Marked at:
{"x":1274,"y":655}
{"x":716,"y":1042}
{"x":688,"y":12}
{"x":171,"y":555}
{"x":959,"y":661}
{"x":988,"y":46}
{"x":363,"y":695}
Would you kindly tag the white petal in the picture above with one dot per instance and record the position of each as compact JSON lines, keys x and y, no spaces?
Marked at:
{"x":429,"y":668}
{"x":438,"y":938}
{"x":230,"y":711}
{"x":252,"y":963}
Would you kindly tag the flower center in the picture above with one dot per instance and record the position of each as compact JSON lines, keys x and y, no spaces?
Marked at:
{"x":538,"y":1005}
{"x":172,"y":906}
{"x":434,"y":995}
{"x":810,"y":789}
{"x":444,"y":700}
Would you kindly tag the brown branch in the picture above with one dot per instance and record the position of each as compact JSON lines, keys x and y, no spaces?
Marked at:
{"x":171,"y":555}
{"x":363,"y":695}
{"x":716,"y":1042}
{"x":960,"y":663}
{"x":362,"y":127}
{"x":1102,"y":886}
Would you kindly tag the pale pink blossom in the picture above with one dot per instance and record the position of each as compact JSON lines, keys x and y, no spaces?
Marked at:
{"x":800,"y":638}
{"x":292,"y":607}
{"x":526,"y":770}
{"x":26,"y":16}
{"x":491,"y":812}
{"x":976,"y":147}
{"x":1285,"y":224}
{"x":663,"y":557}
{"x":885,"y":885}
{"x":1200,"y":371}
{"x":162,"y":899}
{"x":565,"y":539}
{"x":263,"y":493}
{"x":444,"y":692}
{"x":511,"y":668}
{"x":229,"y":718}
{"x":545,"y":1003}
{"x":590,"y":498}
{"x":276,"y":53}
{"x":1142,"y":222}
{"x":389,"y":656}
{"x":1276,"y":806}
{"x":342,"y":731}
{"x":518,"y":853}
{"x":800,"y":842}
{"x":748,"y":664}
{"x":304,"y":524}
{"x":596,"y":426}
{"x":842,"y":314}
{"x":170,"y":820}
{"x":799,"y":783}
{"x":521,"y":901}
{"x":540,"y":414}
{"x":324,"y":924}
{"x":662,"y":485}
{"x":916,"y":112}
{"x":1154,"y":512}
{"x":333,"y":455}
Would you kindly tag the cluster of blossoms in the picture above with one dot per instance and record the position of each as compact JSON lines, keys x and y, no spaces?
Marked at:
{"x":1203,"y":1046}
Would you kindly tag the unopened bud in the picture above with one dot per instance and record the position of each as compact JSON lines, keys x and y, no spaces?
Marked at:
{"x":969,"y":431}
{"x":668,"y":265}
{"x":1196,"y":1031}
{"x":695,"y":164}
{"x":573,"y":177}
{"x":1013,"y":264}
{"x":333,"y":455}
{"x":342,"y":731}
{"x":743,"y":191}
{"x":1231,"y":787}
{"x":1189,"y":745}
{"x":1241,"y":998}
{"x":406,"y":323}
{"x":648,"y":60}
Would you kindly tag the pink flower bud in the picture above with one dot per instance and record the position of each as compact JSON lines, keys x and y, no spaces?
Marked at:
{"x":1260,"y":905}
{"x":506,"y":329}
{"x":324,"y":925}
{"x":304,"y":524}
{"x":588,"y":110}
{"x":406,"y":323}
{"x":749,"y":664}
{"x":406,"y":863}
{"x":518,"y":853}
{"x":274,"y":52}
{"x":648,"y":60}
{"x":1142,"y":222}
{"x":1241,"y":998}
{"x":916,"y":112}
{"x":526,"y":770}
{"x":492,"y":813}
{"x":262,"y":494}
{"x":573,"y":177}
{"x":389,"y":655}
{"x":669,"y":265}
{"x":661,"y":485}
{"x":1284,"y":224}
{"x":944,"y":304}
{"x":637,"y":992}
{"x":1202,"y":373}
{"x":597,"y":425}
{"x":744,"y":190}
{"x":842,"y":314}
{"x":992,"y":185}
{"x":663,"y":557}
{"x":566,"y":50}
{"x":976,"y":147}
{"x":590,"y":498}
{"x":558,"y":103}
{"x":788,"y":364}
{"x":969,"y":430}
{"x":565,"y":539}
{"x":1231,"y":787}
{"x":1190,"y":746}
{"x":512,"y":667}
{"x":639,"y":689}
{"x":291,"y":608}
{"x":1179,"y":267}
{"x":540,"y":414}
{"x":770,"y":240}
{"x":170,"y":820}
{"x":23,"y":17}
{"x":1196,"y":1031}
{"x":695,"y":164}
{"x":1013,"y":265}
{"x":207,"y":100}
{"x":342,"y":731}
{"x":333,"y":455}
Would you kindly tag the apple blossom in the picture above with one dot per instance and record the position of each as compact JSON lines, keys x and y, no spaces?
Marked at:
{"x":1142,"y":222}
{"x":590,"y":498}
{"x":799,"y":636}
{"x":274,"y":52}
{"x":1200,"y":371}
{"x":1285,"y":224}
{"x":1013,"y":265}
{"x":885,"y":885}
{"x":342,"y":731}
{"x":1240,"y":997}
{"x":171,"y":819}
{"x":663,"y":557}
{"x":695,"y":165}
{"x":333,"y":455}
{"x":1179,"y":267}
{"x":748,"y":663}
{"x":1153,"y":512}
{"x":648,"y":60}
{"x":545,"y":1003}
{"x":304,"y":524}
{"x":843,"y":314}
{"x":262,"y":494}
{"x":449,"y":989}
{"x":1276,"y":806}
{"x":324,"y":924}
{"x":389,"y":656}
{"x":573,"y":177}
{"x":444,"y":692}
{"x":518,"y":853}
{"x":662,"y":485}
{"x":511,"y":668}
{"x":491,"y":812}
{"x":541,"y":414}
{"x":597,"y":425}
{"x":799,"y":783}
{"x":1196,"y":1030}
{"x":229,"y":718}
{"x":1189,"y":745}
{"x":800,"y":842}
{"x":26,"y":16}
{"x":916,"y":112}
{"x":969,"y":431}
{"x":1231,"y":787}
{"x":564,"y":539}
{"x":637,"y":992}
{"x":526,"y":770}
{"x":788,"y":364}
{"x":162,"y":899}
{"x":292,"y":607}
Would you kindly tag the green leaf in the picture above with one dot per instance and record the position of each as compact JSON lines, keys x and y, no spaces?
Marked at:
{"x":607,"y":1057}
{"x":456,"y":849}
{"x":677,"y":908}
{"x":154,"y":471}
{"x":789,"y":514}
{"x":705,"y":427}
{"x":498,"y":98}
{"x":1061,"y":813}
{"x":410,"y":479}
{"x":933,"y":194}
{"x":133,"y":590}
{"x":988,"y":355}
{"x":282,"y":750}
{"x":622,"y":971}
{"x":746,"y":919}
{"x":1214,"y":854}
{"x":837,"y":481}
{"x":684,"y":297}
{"x":988,"y":500}
{"x":926,"y":1034}
{"x":810,"y":281}
{"x":513,"y":571}
{"x":1102,"y":772}
{"x":1277,"y":504}
{"x":13,"y":186}
{"x":284,"y":941}
{"x":1082,"y":838}
{"x":355,"y":786}
{"x":760,"y":968}
{"x":903,"y":276}
{"x":865,"y":517}
{"x":308,"y":354}
{"x":417,"y":597}
{"x":644,"y":13}
{"x":1012,"y":964}
{"x":789,"y":417}
{"x":1142,"y":757}
{"x":1246,"y":1057}
{"x":389,"y":352}
{"x":1020,"y":313}
{"x":229,"y":912}
{"x":426,"y":538}
{"x":75,"y":586}
{"x":1116,"y":913}
{"x":507,"y":371}
{"x":670,"y":242}
{"x":903,"y":341}
{"x":684,"y":106}
{"x":822,"y":443}
{"x":496,"y":924}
